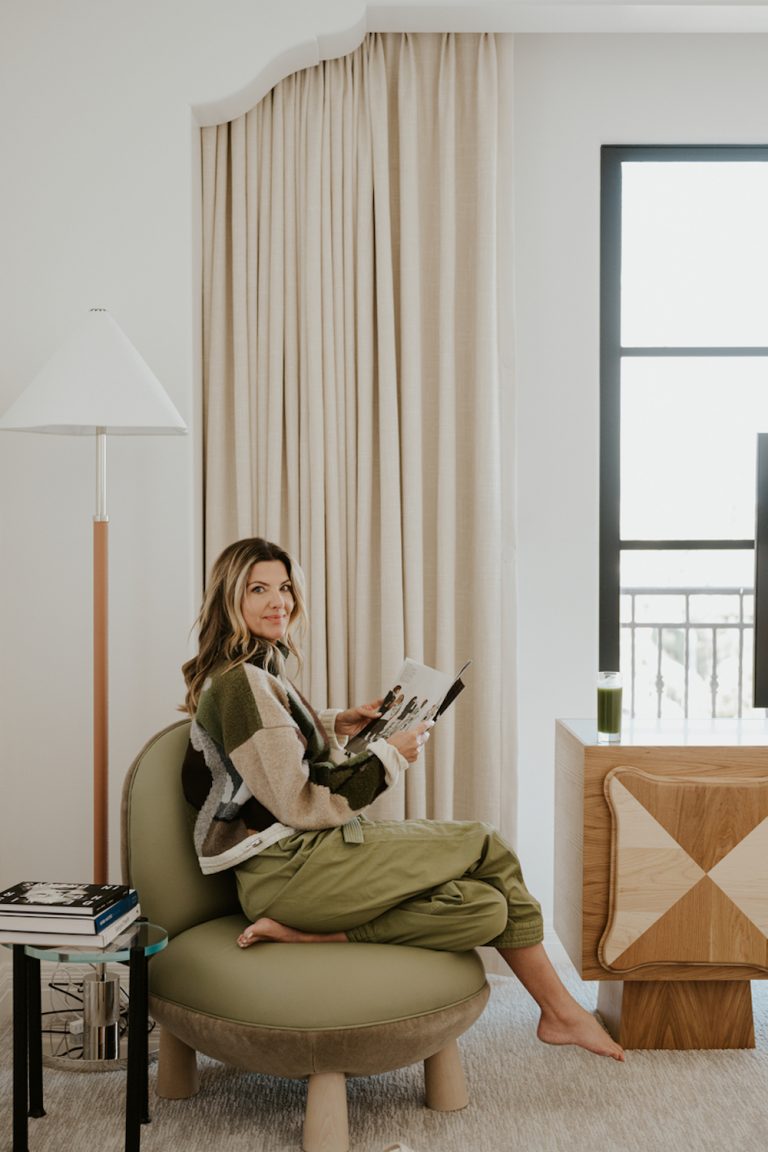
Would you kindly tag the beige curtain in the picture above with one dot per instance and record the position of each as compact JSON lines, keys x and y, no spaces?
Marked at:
{"x":351,"y":233}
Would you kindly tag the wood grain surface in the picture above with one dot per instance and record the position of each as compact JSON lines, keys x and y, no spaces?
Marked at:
{"x":583,"y":852}
{"x":670,"y":839}
{"x":678,"y":1014}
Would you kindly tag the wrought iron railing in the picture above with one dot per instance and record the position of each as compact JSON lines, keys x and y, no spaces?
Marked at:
{"x":688,"y":651}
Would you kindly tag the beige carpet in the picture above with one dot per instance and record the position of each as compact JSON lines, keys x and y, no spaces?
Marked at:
{"x":524,"y":1096}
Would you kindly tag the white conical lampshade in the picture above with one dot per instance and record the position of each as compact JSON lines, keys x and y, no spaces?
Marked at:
{"x":95,"y":382}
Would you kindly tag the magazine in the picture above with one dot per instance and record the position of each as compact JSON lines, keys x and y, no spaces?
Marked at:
{"x":419,"y":693}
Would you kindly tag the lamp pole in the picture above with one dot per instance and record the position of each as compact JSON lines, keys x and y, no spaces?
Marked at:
{"x":101,"y":666}
{"x":94,"y":384}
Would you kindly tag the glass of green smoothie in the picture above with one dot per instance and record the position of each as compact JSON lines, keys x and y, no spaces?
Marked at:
{"x":608,"y":707}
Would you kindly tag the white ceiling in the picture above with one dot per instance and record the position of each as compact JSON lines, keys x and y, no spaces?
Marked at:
{"x":643,"y":16}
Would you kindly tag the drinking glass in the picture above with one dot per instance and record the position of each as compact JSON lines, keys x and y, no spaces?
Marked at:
{"x":608,"y":707}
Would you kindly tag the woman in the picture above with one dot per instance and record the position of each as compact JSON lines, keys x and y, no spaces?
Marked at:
{"x":280,"y":803}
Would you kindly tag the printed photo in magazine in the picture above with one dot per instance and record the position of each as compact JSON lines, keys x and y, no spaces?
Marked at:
{"x":419,"y":693}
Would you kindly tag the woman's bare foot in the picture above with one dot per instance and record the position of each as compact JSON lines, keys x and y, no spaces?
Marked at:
{"x":563,"y":1020}
{"x":581,"y":1028}
{"x":265,"y":930}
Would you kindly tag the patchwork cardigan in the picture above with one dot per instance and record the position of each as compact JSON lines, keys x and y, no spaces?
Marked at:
{"x":261,"y":764}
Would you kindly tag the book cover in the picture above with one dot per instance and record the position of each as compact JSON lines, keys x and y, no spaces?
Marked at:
{"x":71,"y":939}
{"x":419,"y":693}
{"x":23,"y":920}
{"x":57,"y":897}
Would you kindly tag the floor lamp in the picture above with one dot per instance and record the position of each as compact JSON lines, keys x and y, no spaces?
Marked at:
{"x":97,"y":384}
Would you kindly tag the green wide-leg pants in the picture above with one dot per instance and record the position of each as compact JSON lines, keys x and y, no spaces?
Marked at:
{"x":448,"y":885}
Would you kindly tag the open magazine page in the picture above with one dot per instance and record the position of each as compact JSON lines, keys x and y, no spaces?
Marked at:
{"x":419,"y":693}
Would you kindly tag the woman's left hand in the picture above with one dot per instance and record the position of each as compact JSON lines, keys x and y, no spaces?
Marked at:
{"x":350,"y":722}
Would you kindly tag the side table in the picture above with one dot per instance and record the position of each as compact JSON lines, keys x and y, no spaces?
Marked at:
{"x":134,"y":947}
{"x":661,"y":875}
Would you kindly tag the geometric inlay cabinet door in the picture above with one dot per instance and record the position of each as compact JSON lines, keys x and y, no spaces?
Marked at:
{"x":689,"y":871}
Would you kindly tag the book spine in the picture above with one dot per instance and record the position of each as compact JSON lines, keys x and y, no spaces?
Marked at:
{"x":22,"y":922}
{"x":69,"y":939}
{"x":113,"y":930}
{"x":116,"y":911}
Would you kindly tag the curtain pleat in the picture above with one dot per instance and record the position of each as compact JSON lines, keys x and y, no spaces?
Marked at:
{"x":351,"y":380}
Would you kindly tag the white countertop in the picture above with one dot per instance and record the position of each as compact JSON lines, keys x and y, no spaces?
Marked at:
{"x":651,"y":733}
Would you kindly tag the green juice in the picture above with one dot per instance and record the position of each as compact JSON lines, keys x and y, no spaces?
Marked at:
{"x":609,"y":711}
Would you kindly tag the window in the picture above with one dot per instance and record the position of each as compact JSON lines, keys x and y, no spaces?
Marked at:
{"x":684,"y":394}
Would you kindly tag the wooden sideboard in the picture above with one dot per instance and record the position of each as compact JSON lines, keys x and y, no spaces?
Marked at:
{"x":661,"y":876}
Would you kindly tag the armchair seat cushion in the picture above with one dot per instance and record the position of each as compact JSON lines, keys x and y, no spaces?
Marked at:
{"x":296,"y":1009}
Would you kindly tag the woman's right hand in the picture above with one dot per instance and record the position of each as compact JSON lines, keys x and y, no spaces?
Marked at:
{"x":410,"y":742}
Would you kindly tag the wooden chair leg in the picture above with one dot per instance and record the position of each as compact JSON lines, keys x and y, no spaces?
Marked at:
{"x":177,"y":1077}
{"x":444,"y":1083}
{"x":326,"y":1127}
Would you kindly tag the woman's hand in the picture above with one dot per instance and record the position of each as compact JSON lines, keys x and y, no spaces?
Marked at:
{"x":350,"y":722}
{"x":410,"y":742}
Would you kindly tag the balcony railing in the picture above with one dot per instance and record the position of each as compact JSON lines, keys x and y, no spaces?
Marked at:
{"x":688,"y":651}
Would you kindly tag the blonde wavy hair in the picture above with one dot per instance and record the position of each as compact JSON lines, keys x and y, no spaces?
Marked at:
{"x":224,"y":640}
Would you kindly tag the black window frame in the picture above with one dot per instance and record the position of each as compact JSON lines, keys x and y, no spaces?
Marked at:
{"x":612,"y":352}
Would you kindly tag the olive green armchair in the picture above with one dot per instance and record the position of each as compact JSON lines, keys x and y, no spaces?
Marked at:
{"x":319,"y":1012}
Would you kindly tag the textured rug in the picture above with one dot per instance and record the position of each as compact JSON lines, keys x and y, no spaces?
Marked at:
{"x":524,"y":1095}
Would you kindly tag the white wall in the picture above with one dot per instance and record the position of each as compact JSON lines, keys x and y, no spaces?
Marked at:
{"x":572,"y":94}
{"x":98,"y":202}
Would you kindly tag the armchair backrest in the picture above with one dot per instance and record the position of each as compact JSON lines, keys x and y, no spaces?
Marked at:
{"x":158,"y":855}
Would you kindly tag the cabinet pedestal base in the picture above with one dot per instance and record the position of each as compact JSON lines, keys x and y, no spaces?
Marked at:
{"x":678,"y":1014}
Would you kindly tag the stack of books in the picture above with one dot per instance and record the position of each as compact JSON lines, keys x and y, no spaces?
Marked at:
{"x":47,"y":913}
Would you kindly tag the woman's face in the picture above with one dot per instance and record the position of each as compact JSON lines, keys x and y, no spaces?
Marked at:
{"x":268,"y":600}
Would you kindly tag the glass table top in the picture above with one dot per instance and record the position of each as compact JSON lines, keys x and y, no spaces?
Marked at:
{"x":151,"y":938}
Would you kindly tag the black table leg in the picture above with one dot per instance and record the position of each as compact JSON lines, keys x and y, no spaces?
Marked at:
{"x":137,"y":1090}
{"x":35,"y":1038}
{"x":20,"y":1048}
{"x":143,"y":1041}
{"x":28,"y":1045}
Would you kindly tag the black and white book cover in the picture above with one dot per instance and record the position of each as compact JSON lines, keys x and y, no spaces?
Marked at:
{"x":55,"y":897}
